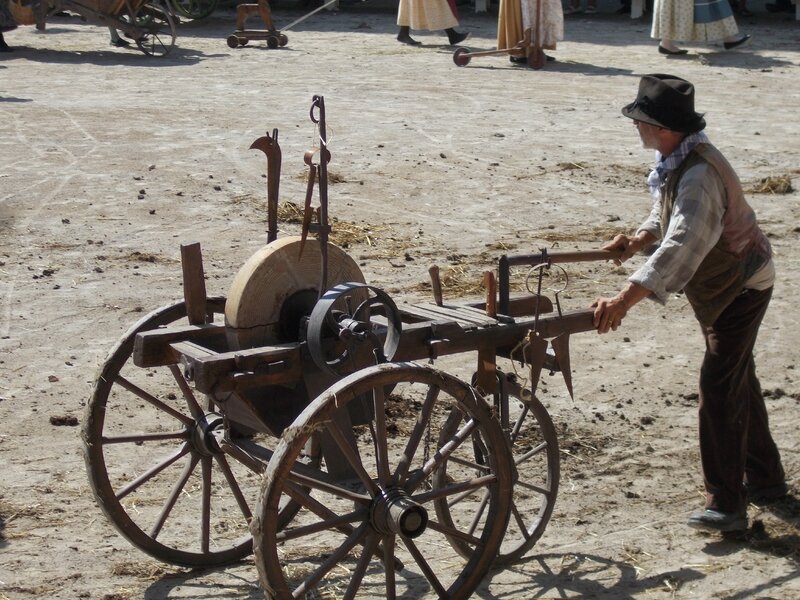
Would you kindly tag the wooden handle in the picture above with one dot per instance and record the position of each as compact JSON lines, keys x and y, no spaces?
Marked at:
{"x":582,"y":255}
{"x":490,"y":284}
{"x":436,"y":284}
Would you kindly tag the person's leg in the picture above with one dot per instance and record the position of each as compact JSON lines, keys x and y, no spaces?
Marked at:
{"x":763,"y":468}
{"x":404,"y":36}
{"x":728,"y":398}
{"x":4,"y":47}
{"x":736,"y":41}
{"x":667,"y":46}
{"x":764,"y":476}
{"x":740,"y":8}
{"x":455,"y":37}
{"x":115,"y":39}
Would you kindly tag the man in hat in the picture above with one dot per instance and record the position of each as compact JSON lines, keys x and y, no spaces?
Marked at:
{"x":711,"y":248}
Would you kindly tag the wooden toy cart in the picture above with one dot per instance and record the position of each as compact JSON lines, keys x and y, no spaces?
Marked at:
{"x":301,"y":418}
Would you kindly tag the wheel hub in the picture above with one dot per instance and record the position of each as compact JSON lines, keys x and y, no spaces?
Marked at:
{"x":394,"y":512}
{"x":203,"y":433}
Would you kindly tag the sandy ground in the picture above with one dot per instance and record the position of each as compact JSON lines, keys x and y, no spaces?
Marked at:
{"x":109,"y":160}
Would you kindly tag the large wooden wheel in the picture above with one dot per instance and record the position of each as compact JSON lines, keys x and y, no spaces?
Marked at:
{"x":367,"y":527}
{"x":154,"y":463}
{"x":534,"y":444}
{"x":156,"y":26}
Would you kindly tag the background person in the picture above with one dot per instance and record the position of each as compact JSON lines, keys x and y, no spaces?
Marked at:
{"x":711,"y":248}
{"x":514,"y":17}
{"x":428,"y":15}
{"x":695,"y":21}
{"x":7,"y":23}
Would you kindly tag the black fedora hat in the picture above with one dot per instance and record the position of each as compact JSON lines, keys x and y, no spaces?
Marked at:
{"x":666,"y":101}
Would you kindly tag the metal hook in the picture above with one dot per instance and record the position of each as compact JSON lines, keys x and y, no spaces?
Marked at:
{"x":316,"y":102}
{"x":541,"y":267}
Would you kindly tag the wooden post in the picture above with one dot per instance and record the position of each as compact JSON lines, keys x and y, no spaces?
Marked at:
{"x":436,"y":284}
{"x":490,"y":284}
{"x":487,"y":355}
{"x":194,"y":283}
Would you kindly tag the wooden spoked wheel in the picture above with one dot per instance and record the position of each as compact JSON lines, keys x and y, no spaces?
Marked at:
{"x":154,"y":465}
{"x":367,"y":527}
{"x":533,"y":441}
{"x":158,"y":29}
{"x":195,"y":9}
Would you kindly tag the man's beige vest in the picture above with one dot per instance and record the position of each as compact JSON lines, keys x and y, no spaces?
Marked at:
{"x":741,"y":250}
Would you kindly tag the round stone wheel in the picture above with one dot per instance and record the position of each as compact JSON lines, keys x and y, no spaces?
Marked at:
{"x":277,"y":287}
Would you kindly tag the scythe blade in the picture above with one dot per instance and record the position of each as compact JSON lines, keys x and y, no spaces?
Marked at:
{"x":560,"y":345}
{"x":536,"y":353}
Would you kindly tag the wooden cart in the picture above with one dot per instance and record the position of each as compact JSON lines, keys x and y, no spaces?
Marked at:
{"x":302,"y":418}
{"x":150,"y":23}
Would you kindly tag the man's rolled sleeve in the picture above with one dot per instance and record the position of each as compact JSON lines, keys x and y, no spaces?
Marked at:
{"x":648,"y":277}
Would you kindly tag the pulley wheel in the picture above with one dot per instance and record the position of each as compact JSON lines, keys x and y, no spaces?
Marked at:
{"x":333,"y":311}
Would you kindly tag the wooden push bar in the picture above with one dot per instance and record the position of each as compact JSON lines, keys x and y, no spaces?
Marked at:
{"x":543,"y":258}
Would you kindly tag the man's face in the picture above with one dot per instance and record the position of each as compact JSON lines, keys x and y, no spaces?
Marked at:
{"x":648,"y":133}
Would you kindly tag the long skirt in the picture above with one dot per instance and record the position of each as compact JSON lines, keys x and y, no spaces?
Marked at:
{"x":428,"y":15}
{"x":516,"y":16}
{"x":693,"y":20}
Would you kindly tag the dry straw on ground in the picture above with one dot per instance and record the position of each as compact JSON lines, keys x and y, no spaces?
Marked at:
{"x":343,"y":234}
{"x":779,"y":184}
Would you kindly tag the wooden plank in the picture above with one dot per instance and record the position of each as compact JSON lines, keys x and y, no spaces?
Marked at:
{"x":421,"y":314}
{"x":191,"y":350}
{"x":242,"y":369}
{"x":153,"y":348}
{"x":462,"y":313}
{"x":417,"y":338}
